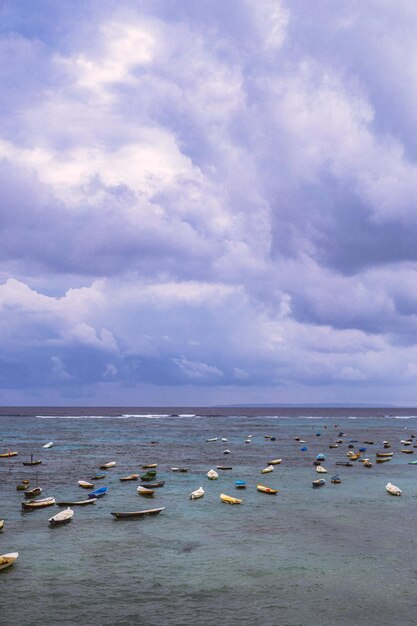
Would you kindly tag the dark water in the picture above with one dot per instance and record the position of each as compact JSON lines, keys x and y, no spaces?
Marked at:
{"x":340,"y":555}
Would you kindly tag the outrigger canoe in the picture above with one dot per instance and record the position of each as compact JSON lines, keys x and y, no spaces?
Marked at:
{"x":230,"y":499}
{"x":264,"y":489}
{"x":61,"y":518}
{"x":8,"y":559}
{"x":133,"y":514}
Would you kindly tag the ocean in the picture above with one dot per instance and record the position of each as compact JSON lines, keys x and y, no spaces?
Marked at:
{"x":340,"y":555}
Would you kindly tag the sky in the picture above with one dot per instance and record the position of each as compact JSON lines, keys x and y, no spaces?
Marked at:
{"x":208,"y":202}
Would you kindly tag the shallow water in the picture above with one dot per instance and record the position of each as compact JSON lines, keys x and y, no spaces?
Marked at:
{"x":339,"y":555}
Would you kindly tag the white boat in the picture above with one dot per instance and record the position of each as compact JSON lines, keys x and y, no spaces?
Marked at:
{"x":38,"y":504}
{"x":212,"y":439}
{"x":198,"y":493}
{"x":268,"y":469}
{"x":108,"y":465}
{"x":48,"y":445}
{"x":85,"y":484}
{"x":8,"y":559}
{"x":275,"y":462}
{"x":393,"y":490}
{"x":226,"y":451}
{"x":224,"y":438}
{"x":63,"y":517}
{"x":321,"y":470}
{"x":145,"y":491}
{"x":212,"y":474}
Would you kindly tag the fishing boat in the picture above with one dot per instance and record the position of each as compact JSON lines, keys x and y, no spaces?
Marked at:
{"x":130,"y":477}
{"x":31,"y":493}
{"x":145,"y":491}
{"x":85,"y":485}
{"x":335,"y":480}
{"x":268,"y":469}
{"x":108,"y":465}
{"x":77,"y":502}
{"x":156,"y":485}
{"x":99,"y":476}
{"x":48,"y":445}
{"x":392,"y":489}
{"x":198,"y":493}
{"x":321,"y":470}
{"x":6,"y":455}
{"x":32,"y":462}
{"x":224,"y":467}
{"x":61,"y":518}
{"x":8,"y":559}
{"x":38,"y":504}
{"x":320,"y":482}
{"x":98,"y":493}
{"x":240,"y":484}
{"x":264,"y":489}
{"x":132,"y":514}
{"x":150,"y":466}
{"x":1,"y":525}
{"x":179,"y":469}
{"x":275,"y":462}
{"x":230,"y":499}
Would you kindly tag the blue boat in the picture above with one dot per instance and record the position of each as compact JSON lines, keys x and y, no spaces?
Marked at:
{"x":304,"y":449}
{"x":240,"y":484}
{"x":320,"y":457}
{"x":98,"y":493}
{"x":320,"y":482}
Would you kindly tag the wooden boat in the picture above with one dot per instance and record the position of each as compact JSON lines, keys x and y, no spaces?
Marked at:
{"x":198,"y":493}
{"x":32,"y":462}
{"x":392,"y":489}
{"x":179,"y":469}
{"x":25,"y":481}
{"x":6,"y":455}
{"x":38,"y":504}
{"x":268,"y":469}
{"x":130,"y":477}
{"x":132,"y":514}
{"x":384,"y":455}
{"x":98,"y":493}
{"x":224,"y":467}
{"x":149,"y":475}
{"x":61,"y":518}
{"x":335,"y":480}
{"x":8,"y":559}
{"x":77,"y":502}
{"x":1,"y":525}
{"x":145,"y":491}
{"x":99,"y":476}
{"x":21,"y":487}
{"x":230,"y":499}
{"x":269,"y":490}
{"x":321,"y":470}
{"x":240,"y":484}
{"x":31,"y":493}
{"x":344,"y":463}
{"x":48,"y":445}
{"x":85,"y":485}
{"x":353,"y":456}
{"x":156,"y":485}
{"x":275,"y":462}
{"x":320,"y":482}
{"x":384,"y":460}
{"x":212,"y":474}
{"x":407,"y":451}
{"x":150,"y":466}
{"x":108,"y":465}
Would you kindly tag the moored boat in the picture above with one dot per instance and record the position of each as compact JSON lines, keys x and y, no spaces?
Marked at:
{"x":77,"y":502}
{"x":150,"y":466}
{"x":230,"y":499}
{"x":264,"y":489}
{"x":321,"y":470}
{"x":98,"y":493}
{"x":240,"y":484}
{"x":156,"y":485}
{"x":108,"y":465}
{"x":85,"y":485}
{"x":61,"y":518}
{"x":384,"y":455}
{"x":31,"y":493}
{"x":32,"y":461}
{"x":133,"y":514}
{"x":212,"y":439}
{"x":198,"y":493}
{"x":407,"y":451}
{"x":145,"y":491}
{"x":320,"y":482}
{"x":130,"y":477}
{"x":6,"y":455}
{"x":383,"y":460}
{"x":224,"y":467}
{"x":149,"y":475}
{"x":393,"y":490}
{"x":99,"y":476}
{"x":179,"y":469}
{"x":38,"y":504}
{"x":344,"y":463}
{"x":48,"y":445}
{"x":335,"y":480}
{"x":274,"y":462}
{"x":8,"y":559}
{"x":212,"y":474}
{"x":268,"y":469}
{"x":1,"y":525}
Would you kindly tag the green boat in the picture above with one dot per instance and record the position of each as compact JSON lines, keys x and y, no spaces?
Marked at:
{"x":149,"y":475}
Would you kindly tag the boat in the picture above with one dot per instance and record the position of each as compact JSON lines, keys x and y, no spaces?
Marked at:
{"x":150,"y":466}
{"x":130,"y":514}
{"x":1,"y":525}
{"x":344,"y":463}
{"x":31,"y":493}
{"x":230,"y":499}
{"x":98,"y":493}
{"x":333,"y":445}
{"x":149,"y":475}
{"x":275,"y":462}
{"x":303,"y":449}
{"x":99,"y":476}
{"x":369,"y":443}
{"x":336,"y":480}
{"x":61,"y":518}
{"x":32,"y":462}
{"x":224,"y":439}
{"x":320,"y":457}
{"x":156,"y":485}
{"x":212,"y":474}
{"x":268,"y":469}
{"x":130,"y":477}
{"x":321,"y":470}
{"x":8,"y":559}
{"x":108,"y":465}
{"x":226,"y":451}
{"x":85,"y":484}
{"x":240,"y":484}
{"x":212,"y":439}
{"x":48,"y":445}
{"x":21,"y":487}
{"x":38,"y":504}
{"x":6,"y":455}
{"x":179,"y":469}
{"x":264,"y":489}
{"x":392,"y":489}
{"x":387,"y":444}
{"x":224,"y":467}
{"x":198,"y":493}
{"x":407,"y":451}
{"x":320,"y":482}
{"x":367,"y":463}
{"x":77,"y":502}
{"x":248,"y":440}
{"x":412,"y":463}
{"x":353,"y":456}
{"x":145,"y":491}
{"x":385,"y":460}
{"x":384,"y":455}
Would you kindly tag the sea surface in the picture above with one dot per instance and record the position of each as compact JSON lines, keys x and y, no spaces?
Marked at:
{"x":338,"y":555}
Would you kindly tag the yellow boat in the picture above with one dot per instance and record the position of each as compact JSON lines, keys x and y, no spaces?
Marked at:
{"x":150,"y":466}
{"x":6,"y":455}
{"x":230,"y":499}
{"x":385,"y":454}
{"x":266,"y":489}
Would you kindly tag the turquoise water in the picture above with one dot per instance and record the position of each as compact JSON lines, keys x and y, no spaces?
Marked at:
{"x":340,"y":555}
